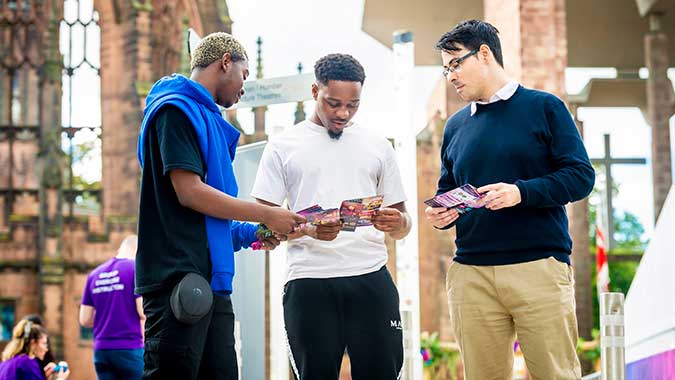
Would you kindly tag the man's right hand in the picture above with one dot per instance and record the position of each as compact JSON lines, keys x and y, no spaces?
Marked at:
{"x":325,"y":231}
{"x":441,"y":216}
{"x":281,"y":220}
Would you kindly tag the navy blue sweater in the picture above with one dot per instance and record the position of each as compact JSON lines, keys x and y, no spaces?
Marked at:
{"x":529,"y":140}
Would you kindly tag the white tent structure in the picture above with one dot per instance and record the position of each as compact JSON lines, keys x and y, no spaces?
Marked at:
{"x":650,"y":305}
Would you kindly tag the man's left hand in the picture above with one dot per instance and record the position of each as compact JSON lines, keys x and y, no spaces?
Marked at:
{"x":500,"y":195}
{"x":273,"y":241}
{"x":388,"y":219}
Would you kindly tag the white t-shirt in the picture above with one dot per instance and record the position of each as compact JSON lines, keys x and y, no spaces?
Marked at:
{"x":306,"y":167}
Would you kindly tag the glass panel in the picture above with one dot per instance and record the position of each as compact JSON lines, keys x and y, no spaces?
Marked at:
{"x":86,"y":159}
{"x":77,"y":44}
{"x":31,"y":46}
{"x":17,"y":43}
{"x":81,"y":103}
{"x":64,"y":46}
{"x":24,"y":173}
{"x":5,"y":36}
{"x":16,"y":101}
{"x":86,"y":98}
{"x":66,"y":117}
{"x":4,"y":163}
{"x":70,"y":11}
{"x":7,"y":319}
{"x":26,"y":97}
{"x":5,"y":86}
{"x":86,"y":333}
{"x":93,"y":49}
{"x":86,"y":10}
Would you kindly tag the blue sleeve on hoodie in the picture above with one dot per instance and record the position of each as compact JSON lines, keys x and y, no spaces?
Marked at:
{"x":243,"y":234}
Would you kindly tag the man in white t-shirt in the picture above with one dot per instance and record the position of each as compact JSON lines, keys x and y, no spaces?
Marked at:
{"x":339,"y":295}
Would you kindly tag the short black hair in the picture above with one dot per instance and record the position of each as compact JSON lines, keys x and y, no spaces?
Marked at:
{"x":472,"y":34}
{"x":341,"y":67}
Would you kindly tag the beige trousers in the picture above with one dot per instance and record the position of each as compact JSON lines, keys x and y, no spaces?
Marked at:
{"x":491,"y":306}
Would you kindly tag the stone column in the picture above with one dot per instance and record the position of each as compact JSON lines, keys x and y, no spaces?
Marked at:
{"x":581,"y":258}
{"x":659,"y":109}
{"x":126,"y":72}
{"x":50,"y":168}
{"x":534,"y":40}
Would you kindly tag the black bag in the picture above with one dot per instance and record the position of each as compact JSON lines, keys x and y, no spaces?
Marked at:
{"x":191,"y":298}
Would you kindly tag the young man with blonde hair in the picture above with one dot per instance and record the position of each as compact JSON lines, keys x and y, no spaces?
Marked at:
{"x":187,"y":226}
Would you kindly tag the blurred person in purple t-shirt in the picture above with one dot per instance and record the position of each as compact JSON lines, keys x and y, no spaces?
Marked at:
{"x":21,"y":357}
{"x":49,"y":356}
{"x":110,"y":306}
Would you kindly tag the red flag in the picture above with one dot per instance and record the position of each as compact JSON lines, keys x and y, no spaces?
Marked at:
{"x":601,"y":262}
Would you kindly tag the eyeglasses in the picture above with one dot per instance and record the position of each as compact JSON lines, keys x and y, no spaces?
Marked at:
{"x":455,"y":66}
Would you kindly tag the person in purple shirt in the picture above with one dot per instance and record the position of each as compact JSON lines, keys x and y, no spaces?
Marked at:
{"x":49,"y":356}
{"x":21,"y":357}
{"x":110,"y":306}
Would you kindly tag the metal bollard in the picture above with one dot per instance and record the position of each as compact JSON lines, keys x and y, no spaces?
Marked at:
{"x":612,"y":333}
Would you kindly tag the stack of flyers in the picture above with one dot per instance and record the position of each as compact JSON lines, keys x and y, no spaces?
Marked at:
{"x":263,"y":233}
{"x":316,"y":215}
{"x":359,"y":212}
{"x":464,"y":198}
{"x":353,"y":213}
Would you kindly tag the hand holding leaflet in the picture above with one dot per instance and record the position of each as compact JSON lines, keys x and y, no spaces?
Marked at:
{"x":464,"y":198}
{"x":352,"y":213}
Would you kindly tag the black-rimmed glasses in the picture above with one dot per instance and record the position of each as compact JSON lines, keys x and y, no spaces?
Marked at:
{"x":456,"y":65}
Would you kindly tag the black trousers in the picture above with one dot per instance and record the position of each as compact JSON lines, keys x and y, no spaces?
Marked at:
{"x":360,"y":314}
{"x":174,"y":350}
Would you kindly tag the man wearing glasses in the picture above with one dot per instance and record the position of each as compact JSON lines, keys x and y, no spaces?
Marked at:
{"x":511,"y":276}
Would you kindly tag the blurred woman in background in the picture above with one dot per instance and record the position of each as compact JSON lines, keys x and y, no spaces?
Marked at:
{"x":22,"y":355}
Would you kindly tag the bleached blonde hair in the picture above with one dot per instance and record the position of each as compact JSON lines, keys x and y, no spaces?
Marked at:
{"x":212,"y":48}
